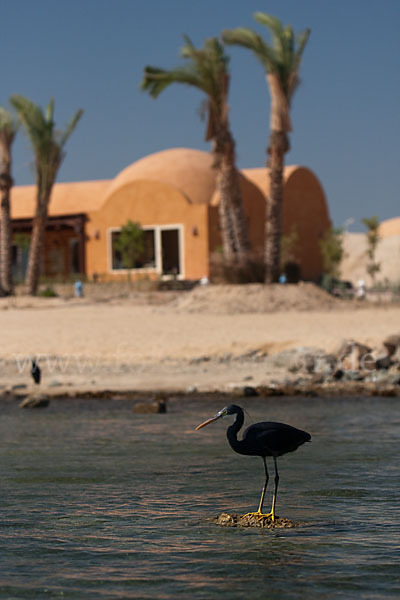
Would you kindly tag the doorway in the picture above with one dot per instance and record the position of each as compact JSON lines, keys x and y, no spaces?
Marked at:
{"x":170,"y":255}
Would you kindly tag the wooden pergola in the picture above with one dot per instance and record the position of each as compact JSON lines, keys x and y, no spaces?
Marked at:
{"x":75,"y":222}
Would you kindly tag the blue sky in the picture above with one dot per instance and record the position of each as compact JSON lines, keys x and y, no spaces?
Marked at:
{"x":90,"y":54}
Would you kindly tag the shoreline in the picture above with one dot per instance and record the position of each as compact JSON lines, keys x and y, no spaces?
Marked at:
{"x":263,"y":393}
{"x":213,"y":339}
{"x":204,"y":377}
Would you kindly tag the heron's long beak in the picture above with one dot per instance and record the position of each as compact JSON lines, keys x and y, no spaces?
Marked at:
{"x":221,"y":413}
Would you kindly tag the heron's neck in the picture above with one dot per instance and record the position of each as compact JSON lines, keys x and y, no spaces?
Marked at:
{"x":232,"y":431}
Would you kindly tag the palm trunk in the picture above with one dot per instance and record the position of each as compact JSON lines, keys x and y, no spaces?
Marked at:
{"x":36,"y":247}
{"x":225,"y":221}
{"x":280,"y":125}
{"x":230,"y":186}
{"x":232,"y":213}
{"x":5,"y":237}
{"x":6,"y":182}
{"x":273,"y":222}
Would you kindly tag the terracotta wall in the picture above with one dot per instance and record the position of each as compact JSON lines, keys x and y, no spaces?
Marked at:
{"x":148,"y":203}
{"x":254,"y":206}
{"x":152,"y":202}
{"x":305,"y":209}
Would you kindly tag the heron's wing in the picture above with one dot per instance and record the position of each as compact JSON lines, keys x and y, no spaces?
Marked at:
{"x":274,"y":438}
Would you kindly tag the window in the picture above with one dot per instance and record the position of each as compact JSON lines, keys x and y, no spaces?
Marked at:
{"x":163,"y":251}
{"x":147,"y":260}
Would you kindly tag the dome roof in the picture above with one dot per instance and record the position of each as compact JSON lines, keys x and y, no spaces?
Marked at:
{"x":188,"y":170}
{"x":390,"y":227}
{"x":259,"y":176}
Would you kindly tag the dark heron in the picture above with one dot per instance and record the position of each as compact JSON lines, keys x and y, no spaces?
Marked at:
{"x":36,"y":372}
{"x":261,"y":439}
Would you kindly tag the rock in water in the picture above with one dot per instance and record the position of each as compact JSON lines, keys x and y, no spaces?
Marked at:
{"x":228,"y":520}
{"x":158,"y":406}
{"x":35,"y":401}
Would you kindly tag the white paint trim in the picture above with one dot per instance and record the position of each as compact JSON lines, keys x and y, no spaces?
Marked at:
{"x":157,"y":249}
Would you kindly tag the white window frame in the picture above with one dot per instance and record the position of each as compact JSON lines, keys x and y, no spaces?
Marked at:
{"x":157,"y":250}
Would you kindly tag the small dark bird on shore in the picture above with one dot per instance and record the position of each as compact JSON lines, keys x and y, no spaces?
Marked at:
{"x":261,"y":439}
{"x":36,"y":372}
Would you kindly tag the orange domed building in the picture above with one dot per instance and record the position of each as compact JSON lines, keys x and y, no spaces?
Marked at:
{"x":172,"y":194}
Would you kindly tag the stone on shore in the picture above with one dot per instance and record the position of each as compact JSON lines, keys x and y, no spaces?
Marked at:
{"x":391,"y":343}
{"x":35,"y":401}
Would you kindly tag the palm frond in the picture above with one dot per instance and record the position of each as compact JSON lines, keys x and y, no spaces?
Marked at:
{"x":301,"y":41}
{"x":210,"y":63}
{"x":155,"y":80}
{"x":49,"y":114}
{"x":216,"y":51}
{"x":280,"y":37}
{"x":31,"y":117}
{"x":273,"y":24}
{"x":188,"y":50}
{"x":283,"y":57}
{"x":46,"y":142}
{"x":70,"y":127}
{"x":292,"y":79}
{"x":206,"y":69}
{"x":23,"y":105}
{"x":247,"y":38}
{"x":288,"y":44}
{"x":200,"y":59}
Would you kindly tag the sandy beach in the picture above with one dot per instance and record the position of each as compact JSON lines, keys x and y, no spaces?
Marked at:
{"x":207,"y":339}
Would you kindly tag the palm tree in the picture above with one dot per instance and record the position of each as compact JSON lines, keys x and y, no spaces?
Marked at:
{"x":48,"y":148}
{"x":8,"y":130}
{"x":207,"y":70}
{"x":281,"y":61}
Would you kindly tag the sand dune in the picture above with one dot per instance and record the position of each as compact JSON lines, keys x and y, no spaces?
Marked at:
{"x":355,"y":262}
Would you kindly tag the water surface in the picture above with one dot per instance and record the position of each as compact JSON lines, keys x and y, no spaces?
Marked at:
{"x":97,"y":502}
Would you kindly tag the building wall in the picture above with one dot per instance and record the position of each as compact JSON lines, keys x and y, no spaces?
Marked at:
{"x":305,"y":209}
{"x":149,"y":203}
{"x":254,"y":206}
{"x":177,"y":187}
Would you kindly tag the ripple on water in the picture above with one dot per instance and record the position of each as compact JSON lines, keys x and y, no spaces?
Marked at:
{"x":101,"y":503}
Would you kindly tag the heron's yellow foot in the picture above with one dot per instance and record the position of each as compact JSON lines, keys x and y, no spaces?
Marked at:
{"x":260,"y":515}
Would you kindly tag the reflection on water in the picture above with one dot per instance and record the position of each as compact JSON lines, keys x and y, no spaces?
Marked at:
{"x":99,"y":502}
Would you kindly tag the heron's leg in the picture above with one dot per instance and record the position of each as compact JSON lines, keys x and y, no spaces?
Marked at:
{"x":265,"y":486}
{"x":259,"y":512}
{"x":272,"y":513}
{"x":275,"y":490}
